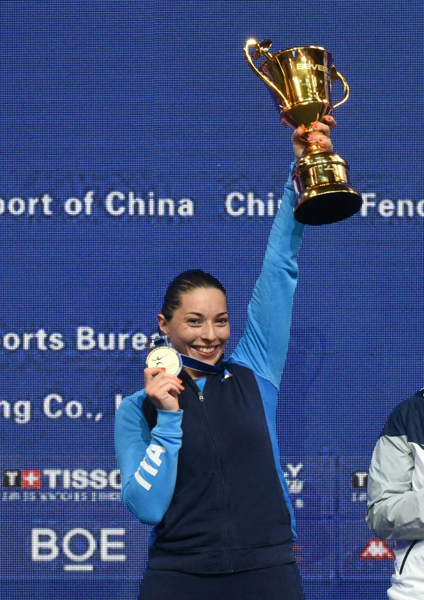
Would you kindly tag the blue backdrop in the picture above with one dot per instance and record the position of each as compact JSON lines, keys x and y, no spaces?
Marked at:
{"x":127,"y":131}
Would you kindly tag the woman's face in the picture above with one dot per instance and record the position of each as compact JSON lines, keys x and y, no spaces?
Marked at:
{"x":200,"y":326}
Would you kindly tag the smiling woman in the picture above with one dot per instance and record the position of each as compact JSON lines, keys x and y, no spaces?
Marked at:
{"x":195,"y":318}
{"x":199,"y":455}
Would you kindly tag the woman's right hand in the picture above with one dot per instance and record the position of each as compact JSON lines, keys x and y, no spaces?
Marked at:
{"x":163,"y":388}
{"x":320,"y":136}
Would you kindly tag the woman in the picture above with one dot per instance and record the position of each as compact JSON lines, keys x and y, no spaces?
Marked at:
{"x":199,"y":454}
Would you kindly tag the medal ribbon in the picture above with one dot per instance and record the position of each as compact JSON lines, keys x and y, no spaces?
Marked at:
{"x":199,"y":365}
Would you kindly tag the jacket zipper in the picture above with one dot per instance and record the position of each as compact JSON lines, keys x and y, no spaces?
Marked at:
{"x":406,"y":556}
{"x":219,"y":464}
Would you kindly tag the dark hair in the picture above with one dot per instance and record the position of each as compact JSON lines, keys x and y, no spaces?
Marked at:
{"x":187,"y":281}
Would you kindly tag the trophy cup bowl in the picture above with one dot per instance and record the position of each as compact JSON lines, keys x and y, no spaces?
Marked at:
{"x":299,"y":80}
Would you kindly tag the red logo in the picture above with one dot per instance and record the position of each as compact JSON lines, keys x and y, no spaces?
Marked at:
{"x":377,"y":550}
{"x":31,"y":479}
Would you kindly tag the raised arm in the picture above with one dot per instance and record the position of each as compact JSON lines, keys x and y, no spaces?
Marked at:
{"x":264,"y":344}
{"x":147,"y":459}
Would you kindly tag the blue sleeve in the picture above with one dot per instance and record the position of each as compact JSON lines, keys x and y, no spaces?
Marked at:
{"x":263,"y":347}
{"x":147,"y":459}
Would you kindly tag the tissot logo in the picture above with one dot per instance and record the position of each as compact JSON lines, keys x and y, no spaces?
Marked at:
{"x":26,"y":479}
{"x":31,"y":479}
{"x":359,"y":484}
{"x":77,"y":479}
{"x":359,"y":479}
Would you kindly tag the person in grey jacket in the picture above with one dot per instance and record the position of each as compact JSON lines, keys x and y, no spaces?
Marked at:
{"x":395,"y":509}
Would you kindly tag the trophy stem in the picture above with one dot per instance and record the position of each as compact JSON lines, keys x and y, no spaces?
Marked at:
{"x":313,"y":148}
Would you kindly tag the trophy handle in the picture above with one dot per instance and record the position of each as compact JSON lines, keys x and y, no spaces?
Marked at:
{"x":336,"y":75}
{"x":261,"y":49}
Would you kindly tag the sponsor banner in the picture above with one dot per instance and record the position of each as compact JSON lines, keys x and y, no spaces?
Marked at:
{"x":352,"y":475}
{"x":125,"y":205}
{"x":55,"y":485}
{"x":73,"y":408}
{"x":113,"y":181}
{"x":82,"y":338}
{"x":55,"y":406}
{"x":59,"y":473}
{"x":73,"y":547}
{"x":55,"y":547}
{"x":311,"y":484}
{"x":360,"y":554}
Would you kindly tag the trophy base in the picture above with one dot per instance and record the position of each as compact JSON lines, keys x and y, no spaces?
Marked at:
{"x":321,"y":180}
{"x":327,"y":204}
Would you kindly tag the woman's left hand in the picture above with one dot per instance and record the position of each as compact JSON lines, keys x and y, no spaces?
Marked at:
{"x":320,"y":136}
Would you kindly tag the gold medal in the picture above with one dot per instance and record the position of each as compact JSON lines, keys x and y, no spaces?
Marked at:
{"x":165,"y":357}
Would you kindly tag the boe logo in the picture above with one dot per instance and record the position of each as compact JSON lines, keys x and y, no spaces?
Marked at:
{"x":78,"y":546}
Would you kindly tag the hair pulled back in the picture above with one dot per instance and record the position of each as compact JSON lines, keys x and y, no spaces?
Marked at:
{"x":187,"y":281}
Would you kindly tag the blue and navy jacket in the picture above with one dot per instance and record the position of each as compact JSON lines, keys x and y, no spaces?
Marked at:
{"x":208,"y":477}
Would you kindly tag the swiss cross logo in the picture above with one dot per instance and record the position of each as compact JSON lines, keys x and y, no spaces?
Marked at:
{"x":31,"y":479}
{"x":377,"y":550}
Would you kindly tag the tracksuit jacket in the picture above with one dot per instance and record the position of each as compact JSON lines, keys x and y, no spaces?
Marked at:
{"x":396,"y":495}
{"x":208,"y":477}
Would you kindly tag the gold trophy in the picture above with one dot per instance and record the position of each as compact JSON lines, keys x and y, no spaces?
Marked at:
{"x":299,"y":80}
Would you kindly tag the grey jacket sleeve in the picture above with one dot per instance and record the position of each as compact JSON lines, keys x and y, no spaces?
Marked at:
{"x":394,"y":510}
